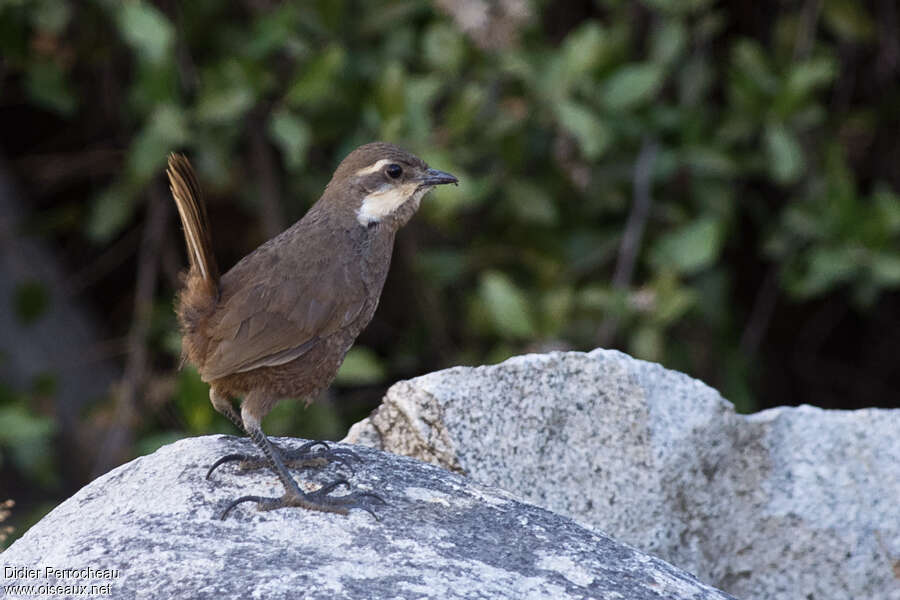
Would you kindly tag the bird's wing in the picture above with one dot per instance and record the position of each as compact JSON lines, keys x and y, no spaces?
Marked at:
{"x":278,"y":314}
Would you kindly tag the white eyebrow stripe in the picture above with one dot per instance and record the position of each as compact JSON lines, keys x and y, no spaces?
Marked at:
{"x":374,"y":168}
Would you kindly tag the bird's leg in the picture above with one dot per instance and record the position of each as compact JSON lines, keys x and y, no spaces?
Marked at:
{"x":293,"y":495}
{"x":223,"y":406}
{"x":299,"y":458}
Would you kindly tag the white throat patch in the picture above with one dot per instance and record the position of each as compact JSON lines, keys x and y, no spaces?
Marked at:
{"x":384,"y":202}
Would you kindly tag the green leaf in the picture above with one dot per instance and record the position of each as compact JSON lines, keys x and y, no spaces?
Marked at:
{"x":809,"y":75}
{"x":583,"y":49}
{"x":224,"y":105}
{"x":694,"y":80}
{"x":784,"y":154}
{"x":848,"y":19}
{"x":827,"y":267}
{"x":317,"y":81}
{"x":556,"y":309}
{"x":228,"y":90}
{"x":154,"y":85}
{"x":390,"y":95}
{"x":110,"y":212}
{"x":632,"y":85}
{"x":751,"y":65}
{"x":672,"y":304}
{"x":675,"y":7}
{"x":691,"y":248}
{"x":592,"y":134}
{"x":530,"y":203}
{"x":887,"y":207}
{"x":709,"y":161}
{"x":647,"y":343}
{"x":146,"y":30}
{"x":507,"y":306}
{"x":292,"y":135}
{"x":443,"y":47}
{"x":361,"y":366}
{"x":463,"y":113}
{"x":668,"y":42}
{"x":803,"y":79}
{"x":192,"y":401}
{"x":275,"y":29}
{"x":30,"y":301}
{"x":28,"y":437}
{"x":47,"y":86}
{"x":18,"y":426}
{"x":164,"y":130}
{"x":52,"y":16}
{"x":885,"y":269}
{"x":440,"y":267}
{"x":421,"y":92}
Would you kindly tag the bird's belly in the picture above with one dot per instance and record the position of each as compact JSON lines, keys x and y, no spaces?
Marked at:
{"x":304,"y":377}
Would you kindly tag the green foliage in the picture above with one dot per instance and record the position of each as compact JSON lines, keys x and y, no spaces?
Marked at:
{"x":761,"y":159}
{"x":361,"y":366}
{"x":508,"y":310}
{"x":25,"y":435}
{"x":30,"y":301}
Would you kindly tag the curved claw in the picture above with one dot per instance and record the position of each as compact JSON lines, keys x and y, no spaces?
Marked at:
{"x":328,"y":450}
{"x":225,"y":459}
{"x":326,"y":489}
{"x":350,"y":501}
{"x":310,"y":445}
{"x":354,"y":502}
{"x":348,"y":453}
{"x":257,"y":499}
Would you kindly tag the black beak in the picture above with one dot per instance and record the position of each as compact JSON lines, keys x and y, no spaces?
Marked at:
{"x":435,"y":177}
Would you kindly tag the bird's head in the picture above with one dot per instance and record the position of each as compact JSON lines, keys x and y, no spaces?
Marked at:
{"x":382,"y":183}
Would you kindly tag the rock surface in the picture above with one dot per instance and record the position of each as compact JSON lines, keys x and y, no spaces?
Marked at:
{"x":152,"y":523}
{"x":788,"y":503}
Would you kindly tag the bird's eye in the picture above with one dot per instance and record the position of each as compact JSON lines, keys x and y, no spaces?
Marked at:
{"x":394,"y":171}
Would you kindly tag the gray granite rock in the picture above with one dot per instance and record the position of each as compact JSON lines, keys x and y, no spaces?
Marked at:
{"x":149,"y":530}
{"x":790,"y":503}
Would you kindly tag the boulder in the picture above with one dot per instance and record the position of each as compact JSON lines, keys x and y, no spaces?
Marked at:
{"x":787,"y":503}
{"x":150,"y":529}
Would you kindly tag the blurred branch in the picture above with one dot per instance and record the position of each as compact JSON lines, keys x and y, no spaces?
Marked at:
{"x":269,"y":194}
{"x":428,"y":301}
{"x":119,"y":436}
{"x":808,"y":24}
{"x":113,"y":256}
{"x":50,"y":171}
{"x":634,"y":230}
{"x":761,"y":313}
{"x":637,"y":219}
{"x":888,"y":27}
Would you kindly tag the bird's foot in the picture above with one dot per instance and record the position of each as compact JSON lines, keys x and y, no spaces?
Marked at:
{"x":309,"y":455}
{"x":317,"y":500}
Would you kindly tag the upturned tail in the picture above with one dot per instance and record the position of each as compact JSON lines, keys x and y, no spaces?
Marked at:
{"x":192,"y":209}
{"x":196,"y":301}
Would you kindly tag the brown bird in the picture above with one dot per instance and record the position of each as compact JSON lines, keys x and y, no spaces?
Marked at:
{"x":278,"y":324}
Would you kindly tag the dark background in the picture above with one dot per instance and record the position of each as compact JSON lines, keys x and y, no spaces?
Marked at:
{"x":710,"y":185}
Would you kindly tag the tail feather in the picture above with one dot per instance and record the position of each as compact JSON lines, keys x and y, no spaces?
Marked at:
{"x":192,"y":209}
